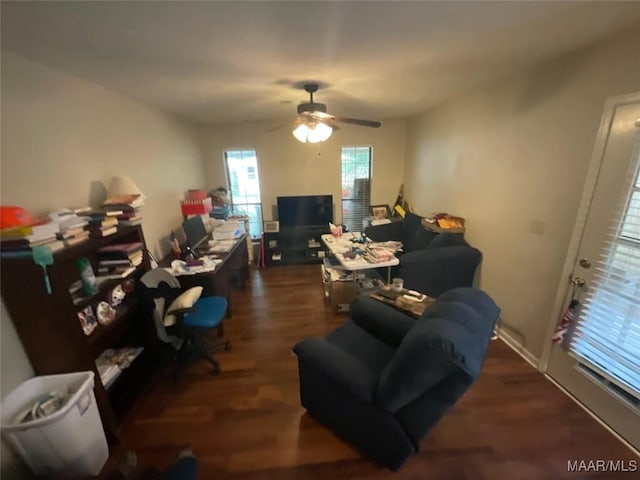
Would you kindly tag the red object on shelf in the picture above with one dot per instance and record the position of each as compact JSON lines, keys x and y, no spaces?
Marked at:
{"x":12,"y":216}
{"x":196,"y":207}
{"x":196,"y":194}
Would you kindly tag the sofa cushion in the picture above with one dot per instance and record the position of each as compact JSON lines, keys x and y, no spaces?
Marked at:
{"x":421,"y":239}
{"x":410,"y":223}
{"x":422,"y":360}
{"x":448,"y":240}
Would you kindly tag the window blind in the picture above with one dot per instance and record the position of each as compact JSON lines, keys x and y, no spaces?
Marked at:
{"x":356,"y":186}
{"x":606,"y":336}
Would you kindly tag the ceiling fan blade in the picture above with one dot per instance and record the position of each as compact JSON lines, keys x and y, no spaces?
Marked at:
{"x":357,"y":121}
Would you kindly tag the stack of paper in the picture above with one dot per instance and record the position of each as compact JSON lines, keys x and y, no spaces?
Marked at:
{"x":72,"y":227}
{"x":20,"y":240}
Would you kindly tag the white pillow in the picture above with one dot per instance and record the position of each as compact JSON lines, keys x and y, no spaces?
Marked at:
{"x":185,"y":300}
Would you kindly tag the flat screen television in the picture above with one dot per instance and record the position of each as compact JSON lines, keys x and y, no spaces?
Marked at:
{"x":305,"y":210}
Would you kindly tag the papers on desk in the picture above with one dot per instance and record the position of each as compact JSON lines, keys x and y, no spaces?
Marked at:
{"x":378,"y":253}
{"x":207,"y":263}
{"x":221,"y":246}
{"x":228,"y":230}
{"x":391,"y":246}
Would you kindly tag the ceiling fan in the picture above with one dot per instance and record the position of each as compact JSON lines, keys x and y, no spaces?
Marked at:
{"x":314,"y":124}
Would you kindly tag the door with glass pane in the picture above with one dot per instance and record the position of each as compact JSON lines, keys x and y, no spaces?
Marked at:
{"x":599,"y":360}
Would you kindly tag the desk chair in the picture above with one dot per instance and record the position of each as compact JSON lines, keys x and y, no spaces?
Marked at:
{"x":183,"y":319}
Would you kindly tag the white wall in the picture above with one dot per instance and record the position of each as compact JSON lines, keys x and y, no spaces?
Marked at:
{"x":62,"y":139}
{"x":512,"y":159}
{"x":288,"y":167}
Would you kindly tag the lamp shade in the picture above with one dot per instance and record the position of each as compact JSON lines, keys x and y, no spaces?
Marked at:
{"x":312,"y":132}
{"x":301,"y":132}
{"x":123,"y":185}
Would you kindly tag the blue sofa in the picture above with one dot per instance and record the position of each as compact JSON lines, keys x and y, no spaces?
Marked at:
{"x":384,"y":379}
{"x":430,"y":263}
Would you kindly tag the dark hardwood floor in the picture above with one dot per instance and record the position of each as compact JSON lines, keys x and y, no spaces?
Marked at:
{"x":247,"y":422}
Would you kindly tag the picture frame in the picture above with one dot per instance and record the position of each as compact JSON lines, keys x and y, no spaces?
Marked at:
{"x":380,"y":211}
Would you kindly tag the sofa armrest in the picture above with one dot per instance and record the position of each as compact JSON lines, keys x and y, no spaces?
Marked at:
{"x":436,"y":270}
{"x":385,"y":232}
{"x":338,"y":366}
{"x":382,"y":321}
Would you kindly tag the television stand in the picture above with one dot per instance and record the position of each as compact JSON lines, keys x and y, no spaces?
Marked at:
{"x":295,"y":246}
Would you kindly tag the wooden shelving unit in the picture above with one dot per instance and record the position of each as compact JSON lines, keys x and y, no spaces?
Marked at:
{"x":50,"y":331}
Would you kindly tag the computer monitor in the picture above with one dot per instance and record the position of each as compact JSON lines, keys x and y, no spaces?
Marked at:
{"x":181,"y":236}
{"x":195,"y":231}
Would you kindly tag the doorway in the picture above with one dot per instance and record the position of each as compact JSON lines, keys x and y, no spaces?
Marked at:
{"x":598,"y":361}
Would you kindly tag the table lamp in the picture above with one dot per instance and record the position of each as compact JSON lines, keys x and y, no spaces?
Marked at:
{"x":123,"y":185}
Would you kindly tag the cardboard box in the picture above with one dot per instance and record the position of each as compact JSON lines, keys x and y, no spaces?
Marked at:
{"x":196,"y":194}
{"x":338,"y":294}
{"x":341,"y":295}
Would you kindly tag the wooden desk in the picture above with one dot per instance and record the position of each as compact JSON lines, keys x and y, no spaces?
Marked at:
{"x":234,"y":270}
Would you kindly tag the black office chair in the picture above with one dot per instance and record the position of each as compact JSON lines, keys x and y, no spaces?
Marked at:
{"x":183,"y":319}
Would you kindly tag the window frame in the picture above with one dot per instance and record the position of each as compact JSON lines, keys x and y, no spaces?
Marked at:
{"x":232,"y":203}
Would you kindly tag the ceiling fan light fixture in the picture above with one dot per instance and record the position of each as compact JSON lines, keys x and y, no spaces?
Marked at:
{"x":314,"y":132}
{"x":301,"y":132}
{"x":323,"y":131}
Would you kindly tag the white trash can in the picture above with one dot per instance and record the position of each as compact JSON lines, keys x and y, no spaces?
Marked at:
{"x":69,"y":441}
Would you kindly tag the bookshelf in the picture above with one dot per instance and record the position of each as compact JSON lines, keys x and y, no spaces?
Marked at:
{"x":50,"y":330}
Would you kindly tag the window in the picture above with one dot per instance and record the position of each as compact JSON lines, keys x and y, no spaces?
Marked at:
{"x":607,"y":336}
{"x":244,"y":187}
{"x":356,"y":180}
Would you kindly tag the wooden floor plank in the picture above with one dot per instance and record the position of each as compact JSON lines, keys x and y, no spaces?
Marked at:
{"x":247,"y":422}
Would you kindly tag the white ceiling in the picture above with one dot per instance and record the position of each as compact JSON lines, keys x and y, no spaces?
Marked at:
{"x":245,"y":61}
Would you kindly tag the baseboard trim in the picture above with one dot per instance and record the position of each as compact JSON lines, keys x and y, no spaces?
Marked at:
{"x":593,"y":415}
{"x":519,"y":349}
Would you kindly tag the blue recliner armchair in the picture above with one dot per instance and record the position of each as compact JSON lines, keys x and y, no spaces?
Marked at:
{"x":384,"y":379}
{"x":430,"y":263}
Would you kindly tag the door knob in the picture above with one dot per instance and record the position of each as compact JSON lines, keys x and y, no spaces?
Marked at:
{"x":585,"y":263}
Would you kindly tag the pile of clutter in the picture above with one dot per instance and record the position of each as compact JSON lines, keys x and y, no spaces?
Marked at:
{"x":444,"y":223}
{"x":20,"y":232}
